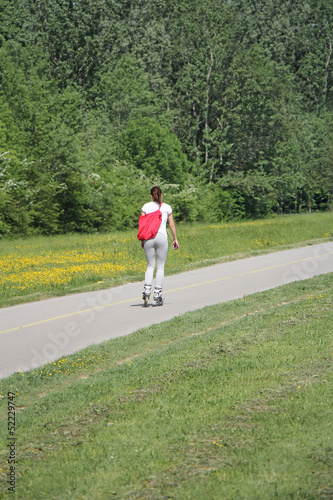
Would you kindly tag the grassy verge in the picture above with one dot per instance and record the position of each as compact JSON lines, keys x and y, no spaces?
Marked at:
{"x":232,"y":401}
{"x":41,"y":267}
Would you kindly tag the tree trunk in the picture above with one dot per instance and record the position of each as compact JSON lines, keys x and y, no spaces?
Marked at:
{"x":207,"y":104}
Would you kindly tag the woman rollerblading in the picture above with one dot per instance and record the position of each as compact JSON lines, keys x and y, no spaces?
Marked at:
{"x":156,"y":248}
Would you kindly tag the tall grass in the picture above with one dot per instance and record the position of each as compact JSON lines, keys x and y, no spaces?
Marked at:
{"x":40,"y":267}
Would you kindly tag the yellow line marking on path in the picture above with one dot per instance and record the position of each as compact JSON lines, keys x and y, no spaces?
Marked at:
{"x":249,"y":272}
{"x":75,"y":313}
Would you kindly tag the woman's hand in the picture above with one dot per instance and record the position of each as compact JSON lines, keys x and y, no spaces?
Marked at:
{"x":172,"y":225}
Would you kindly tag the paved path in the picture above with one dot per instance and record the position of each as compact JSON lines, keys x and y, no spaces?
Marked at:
{"x":36,"y":333}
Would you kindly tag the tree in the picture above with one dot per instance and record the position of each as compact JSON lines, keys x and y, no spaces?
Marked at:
{"x":202,"y":44}
{"x":298,"y":36}
{"x":153,"y":149}
{"x":226,"y":101}
{"x":126,"y":92}
{"x":247,"y":117}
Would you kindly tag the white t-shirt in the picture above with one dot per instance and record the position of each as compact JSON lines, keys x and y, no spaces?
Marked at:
{"x":166,"y":210}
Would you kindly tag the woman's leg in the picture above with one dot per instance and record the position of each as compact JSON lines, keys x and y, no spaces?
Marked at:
{"x":161,"y":242}
{"x":149,"y":247}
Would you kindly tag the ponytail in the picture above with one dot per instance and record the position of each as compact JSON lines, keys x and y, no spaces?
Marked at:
{"x":156,"y":194}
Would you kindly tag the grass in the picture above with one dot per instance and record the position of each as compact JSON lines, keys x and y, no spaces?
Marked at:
{"x":40,"y":267}
{"x":230,"y":402}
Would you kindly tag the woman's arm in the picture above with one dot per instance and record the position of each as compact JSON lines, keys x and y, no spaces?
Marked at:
{"x":173,"y":230}
{"x":142,"y":242}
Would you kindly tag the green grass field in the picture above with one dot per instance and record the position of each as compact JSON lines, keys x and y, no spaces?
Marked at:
{"x":233,"y":401}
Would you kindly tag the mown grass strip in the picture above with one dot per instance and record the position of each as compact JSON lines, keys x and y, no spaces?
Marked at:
{"x":40,"y":267}
{"x":232,"y":401}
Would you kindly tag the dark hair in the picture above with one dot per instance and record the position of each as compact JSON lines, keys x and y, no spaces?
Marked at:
{"x":156,"y":194}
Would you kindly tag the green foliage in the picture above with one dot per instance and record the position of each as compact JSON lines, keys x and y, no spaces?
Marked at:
{"x":237,"y":95}
{"x":28,"y":199}
{"x":153,"y":149}
{"x":252,"y":113}
{"x":115,"y":195}
{"x":252,"y":192}
{"x":298,"y":36}
{"x":302,"y":163}
{"x":203,"y":203}
{"x":126,"y":91}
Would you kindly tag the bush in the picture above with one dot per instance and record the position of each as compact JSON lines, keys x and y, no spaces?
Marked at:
{"x":154,"y":150}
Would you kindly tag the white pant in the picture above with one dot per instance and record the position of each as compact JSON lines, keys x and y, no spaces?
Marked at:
{"x":156,"y":247}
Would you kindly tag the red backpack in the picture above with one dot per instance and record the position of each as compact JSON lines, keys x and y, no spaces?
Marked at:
{"x":149,"y":224}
